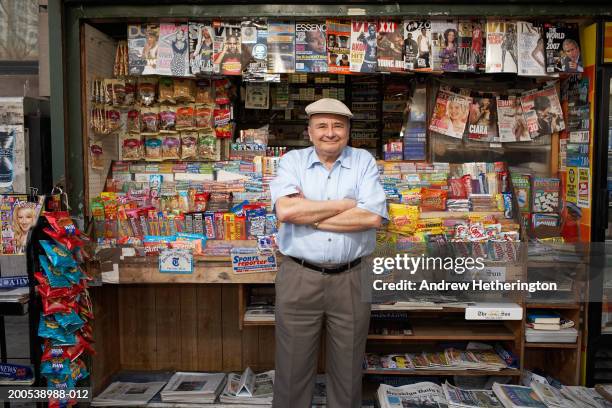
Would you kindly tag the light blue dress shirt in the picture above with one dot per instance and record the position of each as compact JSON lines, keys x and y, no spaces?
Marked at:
{"x":354,"y":175}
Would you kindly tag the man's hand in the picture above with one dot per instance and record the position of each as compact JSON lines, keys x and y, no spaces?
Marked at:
{"x":352,"y":220}
{"x":296,"y":209}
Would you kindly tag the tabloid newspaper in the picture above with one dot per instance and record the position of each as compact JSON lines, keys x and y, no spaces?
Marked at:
{"x":420,"y":395}
{"x":142,"y":48}
{"x":417,"y":45}
{"x":226,"y":48}
{"x":511,"y":124}
{"x":201,"y":40}
{"x":248,"y":388}
{"x":542,"y":111}
{"x":338,"y":46}
{"x":501,"y":46}
{"x":390,"y":44}
{"x":444,"y":45}
{"x":517,"y":396}
{"x":458,"y":397}
{"x":173,"y":50}
{"x":363,"y":46}
{"x":310,"y":46}
{"x":281,"y":46}
{"x":193,"y":387}
{"x":482,"y":121}
{"x":450,"y":113}
{"x":530,"y":49}
{"x":254,"y":39}
{"x":562,"y":48}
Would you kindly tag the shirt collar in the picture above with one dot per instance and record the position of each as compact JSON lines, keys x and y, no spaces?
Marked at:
{"x":344,"y":158}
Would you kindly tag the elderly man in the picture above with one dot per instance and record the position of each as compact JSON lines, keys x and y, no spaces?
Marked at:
{"x":330,"y":202}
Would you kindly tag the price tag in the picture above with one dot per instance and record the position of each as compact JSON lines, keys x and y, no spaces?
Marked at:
{"x":178,"y":261}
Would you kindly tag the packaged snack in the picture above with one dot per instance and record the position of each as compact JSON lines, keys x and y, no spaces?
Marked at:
{"x":411,"y":197}
{"x":255,"y":220}
{"x":79,"y":370}
{"x":184,"y":90}
{"x":55,"y":366}
{"x":189,"y":141}
{"x":507,"y":205}
{"x":433,"y":200}
{"x":221,"y":91}
{"x":203,"y":91}
{"x":71,"y":242}
{"x":58,"y":256}
{"x":171,"y":146}
{"x":185,"y":117}
{"x":130,"y":91}
{"x":97,"y":155}
{"x":223,"y":125}
{"x":200,"y":201}
{"x":56,"y":305}
{"x":166,"y":90}
{"x":149,"y":117}
{"x":131,"y":146}
{"x":146,"y":90}
{"x":118,"y":92}
{"x":133,"y":121}
{"x":403,"y":218}
{"x":70,"y":352}
{"x":204,"y":116}
{"x":50,"y":329}
{"x":208,"y":146}
{"x":153,"y":146}
{"x":457,"y":189}
{"x":167,"y":118}
{"x":113,"y":119}
{"x":69,"y":321}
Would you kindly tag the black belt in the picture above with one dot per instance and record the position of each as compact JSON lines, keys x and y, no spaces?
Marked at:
{"x":329,"y":270}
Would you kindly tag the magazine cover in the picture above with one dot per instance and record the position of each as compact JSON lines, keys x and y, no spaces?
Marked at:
{"x":530,"y":49}
{"x":338,"y":46}
{"x":173,"y":50}
{"x":390,"y":46}
{"x":257,"y":95}
{"x":470,"y":52}
{"x":226,"y":53}
{"x":562,"y":48}
{"x":417,"y":45}
{"x":310,"y":46}
{"x":142,"y":48}
{"x":542,"y":111}
{"x":254,"y":42}
{"x":450,"y":114}
{"x":201,"y":42}
{"x":501,"y":47}
{"x":511,"y":124}
{"x":444,"y":45}
{"x":479,"y":36}
{"x":363,"y":46}
{"x":17,"y":217}
{"x":281,"y":46}
{"x":482,"y":120}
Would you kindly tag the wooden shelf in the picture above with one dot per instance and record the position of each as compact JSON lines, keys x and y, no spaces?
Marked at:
{"x":251,"y":324}
{"x":571,"y":306}
{"x":388,"y":337}
{"x":460,"y":330}
{"x":504,"y":372}
{"x":551,"y":345}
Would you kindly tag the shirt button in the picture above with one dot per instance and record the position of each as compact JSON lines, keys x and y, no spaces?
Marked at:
{"x":329,"y":239}
{"x":328,"y":198}
{"x":328,"y":177}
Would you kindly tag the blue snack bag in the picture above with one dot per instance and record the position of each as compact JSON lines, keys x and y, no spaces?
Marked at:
{"x":69,"y":321}
{"x":56,"y":366}
{"x":58,"y":256}
{"x":54,"y":275}
{"x":73,"y":274}
{"x":50,"y":329}
{"x":60,"y":382}
{"x":78,"y":370}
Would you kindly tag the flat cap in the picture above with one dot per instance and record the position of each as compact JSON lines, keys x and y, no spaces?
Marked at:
{"x":328,"y":105}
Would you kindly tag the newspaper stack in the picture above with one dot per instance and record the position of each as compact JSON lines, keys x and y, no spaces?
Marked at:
{"x":248,"y":388}
{"x":605,"y":390}
{"x":459,"y":398}
{"x":584,"y":397}
{"x":550,"y":396}
{"x":425,"y":394}
{"x":259,"y":314}
{"x":126,"y":394}
{"x":201,"y":388}
{"x":569,"y":335}
{"x":517,"y":396}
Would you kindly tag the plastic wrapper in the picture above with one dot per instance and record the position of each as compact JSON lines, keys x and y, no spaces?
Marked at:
{"x":147,"y":87}
{"x":48,"y":328}
{"x":133,"y":121}
{"x":433,"y":200}
{"x":69,"y":352}
{"x":153,"y":147}
{"x":55,"y":366}
{"x":403,"y":218}
{"x":204,"y":116}
{"x":171,"y":147}
{"x":189,"y":145}
{"x":149,"y":117}
{"x":130,"y":91}
{"x":58,"y":256}
{"x":166,"y":90}
{"x":204,"y":91}
{"x":69,"y":321}
{"x":223,"y":126}
{"x":71,"y":242}
{"x":221,"y":91}
{"x":185,"y":117}
{"x":208,"y":146}
{"x":96,"y":152}
{"x":167,"y":118}
{"x":184,"y":90}
{"x":131,"y":147}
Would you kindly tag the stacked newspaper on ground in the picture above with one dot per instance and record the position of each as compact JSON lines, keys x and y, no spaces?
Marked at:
{"x":248,"y":388}
{"x":127,"y":394}
{"x":460,"y":398}
{"x":449,"y":359}
{"x":189,"y":387}
{"x":585,"y":397}
{"x":423,"y":394}
{"x":259,"y":314}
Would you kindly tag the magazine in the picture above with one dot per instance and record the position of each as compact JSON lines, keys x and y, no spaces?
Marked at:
{"x":450,"y":114}
{"x":542,"y":111}
{"x":226,"y":48}
{"x":201,"y":41}
{"x":173,"y":50}
{"x":17,"y":218}
{"x":530,"y":49}
{"x":482,"y":120}
{"x":390,"y":46}
{"x":517,"y":396}
{"x":423,"y":394}
{"x":417,"y":45}
{"x":142,"y":48}
{"x":501,"y":46}
{"x":562,"y":48}
{"x":444,"y":45}
{"x":254,"y":42}
{"x":479,"y":36}
{"x":192,"y":387}
{"x":459,"y":398}
{"x":248,"y":388}
{"x":281,"y":46}
{"x":338,"y":46}
{"x":310,"y":46}
{"x":126,"y":394}
{"x":363,"y":46}
{"x":511,"y":124}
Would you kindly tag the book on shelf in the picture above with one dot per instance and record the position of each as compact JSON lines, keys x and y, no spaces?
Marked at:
{"x":127,"y":394}
{"x":248,"y":388}
{"x":461,"y":398}
{"x":547,"y":317}
{"x":563,"y":324}
{"x":517,"y":396}
{"x":569,"y":335}
{"x":192,"y":387}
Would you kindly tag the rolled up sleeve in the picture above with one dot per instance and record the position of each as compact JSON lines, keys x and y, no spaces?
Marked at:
{"x":286,"y":181}
{"x":370,"y":195}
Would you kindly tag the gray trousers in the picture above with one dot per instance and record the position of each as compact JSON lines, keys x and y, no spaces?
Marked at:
{"x":305,"y":300}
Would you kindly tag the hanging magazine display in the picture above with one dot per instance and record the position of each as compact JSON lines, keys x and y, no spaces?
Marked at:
{"x":542,"y":111}
{"x":363,"y":46}
{"x":173,"y":50}
{"x":450,"y":114}
{"x":281,"y":46}
{"x":444,"y":40}
{"x":254,"y":40}
{"x":501,"y":47}
{"x":511,"y":124}
{"x":482,"y":120}
{"x":479,"y":36}
{"x":417,"y":45}
{"x":227,"y":59}
{"x":143,"y":40}
{"x":562,"y":48}
{"x":470,"y":52}
{"x":338,"y":46}
{"x":530,"y":49}
{"x":310,"y":47}
{"x":201,"y":44}
{"x":390,"y":45}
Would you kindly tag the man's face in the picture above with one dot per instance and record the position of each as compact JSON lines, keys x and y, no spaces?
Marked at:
{"x":329,"y":133}
{"x":316,"y":41}
{"x":372,"y":30}
{"x":571,"y":51}
{"x":544,"y":113}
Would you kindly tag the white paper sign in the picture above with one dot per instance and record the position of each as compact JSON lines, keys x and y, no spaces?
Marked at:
{"x":178,"y":261}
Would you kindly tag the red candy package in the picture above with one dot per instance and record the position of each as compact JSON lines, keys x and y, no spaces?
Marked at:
{"x":71,"y":352}
{"x":61,"y":223}
{"x":457,"y":188}
{"x":71,"y":242}
{"x":56,"y":305}
{"x":433,"y":199}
